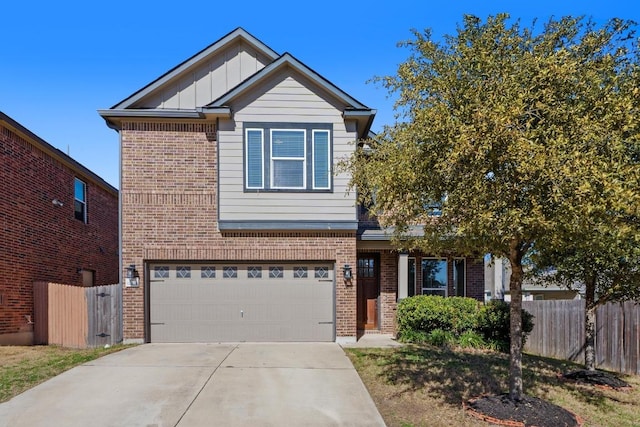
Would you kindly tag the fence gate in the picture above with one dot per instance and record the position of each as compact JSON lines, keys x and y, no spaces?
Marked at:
{"x":103,"y":303}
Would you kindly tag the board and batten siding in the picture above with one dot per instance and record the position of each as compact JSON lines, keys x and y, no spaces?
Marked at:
{"x":208,"y":81}
{"x":287,"y":99}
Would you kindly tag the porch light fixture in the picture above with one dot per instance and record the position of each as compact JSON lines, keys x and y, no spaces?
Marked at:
{"x":133,"y":278}
{"x":346,"y":272}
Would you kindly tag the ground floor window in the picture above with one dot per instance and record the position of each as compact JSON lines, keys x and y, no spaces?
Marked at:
{"x":411,"y":279}
{"x":434,"y":276}
{"x":459,"y":282}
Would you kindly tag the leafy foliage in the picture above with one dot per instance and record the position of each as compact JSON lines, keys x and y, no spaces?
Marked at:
{"x":427,"y":313}
{"x":512,"y":130}
{"x":463,"y":321}
{"x":494,"y":324}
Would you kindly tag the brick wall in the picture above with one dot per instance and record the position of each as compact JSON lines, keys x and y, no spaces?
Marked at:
{"x":44,"y":242}
{"x":169,"y":212}
{"x":388,"y":291}
{"x":389,"y":283}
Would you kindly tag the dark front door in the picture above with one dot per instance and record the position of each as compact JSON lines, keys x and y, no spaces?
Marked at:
{"x":368,"y":291}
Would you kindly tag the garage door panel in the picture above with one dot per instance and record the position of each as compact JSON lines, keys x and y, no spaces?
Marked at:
{"x":251,"y":302}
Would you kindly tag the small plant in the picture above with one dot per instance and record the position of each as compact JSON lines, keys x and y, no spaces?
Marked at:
{"x":471,"y":339}
{"x":440,"y":338}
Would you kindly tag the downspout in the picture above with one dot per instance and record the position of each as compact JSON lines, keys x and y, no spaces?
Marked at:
{"x":120,"y":262}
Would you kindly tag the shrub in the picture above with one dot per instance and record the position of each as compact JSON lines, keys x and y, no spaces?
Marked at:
{"x":427,"y":313}
{"x":493,"y":324}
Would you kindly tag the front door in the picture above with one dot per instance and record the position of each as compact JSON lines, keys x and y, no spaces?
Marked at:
{"x":368,"y":291}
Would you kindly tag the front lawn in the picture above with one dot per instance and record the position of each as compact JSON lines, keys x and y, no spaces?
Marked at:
{"x":422,"y":385}
{"x":24,"y":367}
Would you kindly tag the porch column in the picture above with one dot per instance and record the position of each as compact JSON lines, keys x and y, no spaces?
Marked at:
{"x":403,"y":275}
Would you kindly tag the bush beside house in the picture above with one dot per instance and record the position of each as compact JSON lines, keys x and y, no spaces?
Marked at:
{"x":457,"y":320}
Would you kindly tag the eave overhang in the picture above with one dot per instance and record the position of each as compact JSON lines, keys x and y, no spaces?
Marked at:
{"x":115,"y":117}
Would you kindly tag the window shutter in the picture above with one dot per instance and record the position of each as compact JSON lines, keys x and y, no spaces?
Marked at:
{"x":321,"y":164}
{"x":255,"y":162}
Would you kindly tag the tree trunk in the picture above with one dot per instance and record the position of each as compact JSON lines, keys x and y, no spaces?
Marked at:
{"x":515,"y":288}
{"x":590,"y":326}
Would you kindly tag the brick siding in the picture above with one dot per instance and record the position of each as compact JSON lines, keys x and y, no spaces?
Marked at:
{"x":170,"y":213}
{"x":42,"y":241}
{"x":389,"y":284}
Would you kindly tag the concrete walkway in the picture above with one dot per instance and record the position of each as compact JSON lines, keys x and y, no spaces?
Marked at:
{"x":153,"y":385}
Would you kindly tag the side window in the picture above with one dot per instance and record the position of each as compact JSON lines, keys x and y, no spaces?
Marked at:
{"x":80,"y":200}
{"x":459,"y":282}
{"x":411,"y":279}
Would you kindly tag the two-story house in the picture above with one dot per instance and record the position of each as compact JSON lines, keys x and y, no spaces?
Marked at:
{"x":59,"y":224}
{"x":234,"y":218}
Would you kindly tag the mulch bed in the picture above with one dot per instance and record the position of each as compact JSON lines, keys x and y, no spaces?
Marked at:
{"x":529,"y":412}
{"x":597,"y":378}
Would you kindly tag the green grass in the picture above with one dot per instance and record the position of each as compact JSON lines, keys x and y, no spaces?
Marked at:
{"x":24,"y":367}
{"x":422,"y":385}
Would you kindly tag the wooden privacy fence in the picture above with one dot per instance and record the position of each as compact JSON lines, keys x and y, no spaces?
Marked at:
{"x":558,"y":332}
{"x":73,"y":316}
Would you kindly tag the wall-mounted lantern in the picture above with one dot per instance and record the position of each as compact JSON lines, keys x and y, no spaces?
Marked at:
{"x":346,"y":273}
{"x":132,"y":279}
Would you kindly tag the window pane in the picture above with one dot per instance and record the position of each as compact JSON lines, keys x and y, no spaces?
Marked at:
{"x":254,"y":159}
{"x":79,"y":190}
{"x":411,"y":283}
{"x":285,"y":143}
{"x":288,"y":174}
{"x":458,"y":277}
{"x":79,"y":205}
{"x":321,"y":159}
{"x":434,"y":273}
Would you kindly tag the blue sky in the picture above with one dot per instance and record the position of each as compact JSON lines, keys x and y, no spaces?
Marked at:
{"x":61,"y":61}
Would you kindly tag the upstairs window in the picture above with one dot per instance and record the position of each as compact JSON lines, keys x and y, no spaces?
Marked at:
{"x":287,"y":157}
{"x":80,"y":202}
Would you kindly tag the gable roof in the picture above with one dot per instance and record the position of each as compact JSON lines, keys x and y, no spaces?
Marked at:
{"x":194,"y":60}
{"x":282,"y":61}
{"x":355,"y":110}
{"x":52,"y":151}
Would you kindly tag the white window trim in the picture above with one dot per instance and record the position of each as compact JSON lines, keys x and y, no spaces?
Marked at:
{"x":446,"y":286}
{"x":464,"y":275}
{"x":84,"y":202}
{"x":297,"y":159}
{"x":246,"y":158}
{"x":329,"y":160}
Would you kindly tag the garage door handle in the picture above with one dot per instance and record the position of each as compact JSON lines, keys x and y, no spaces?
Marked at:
{"x":325,"y":323}
{"x":157,"y":323}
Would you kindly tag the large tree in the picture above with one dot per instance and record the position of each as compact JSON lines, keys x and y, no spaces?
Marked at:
{"x":489,"y":134}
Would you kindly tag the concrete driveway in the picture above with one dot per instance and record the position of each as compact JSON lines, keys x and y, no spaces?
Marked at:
{"x":270,"y":384}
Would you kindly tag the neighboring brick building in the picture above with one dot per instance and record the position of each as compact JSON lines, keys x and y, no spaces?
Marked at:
{"x":59,"y":224}
{"x":235,"y":218}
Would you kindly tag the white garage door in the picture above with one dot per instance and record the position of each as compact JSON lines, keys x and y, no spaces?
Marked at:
{"x":222,"y":302}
